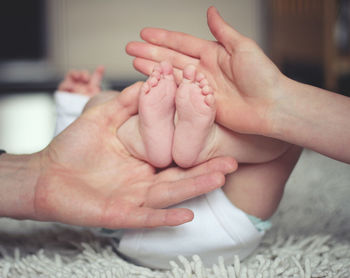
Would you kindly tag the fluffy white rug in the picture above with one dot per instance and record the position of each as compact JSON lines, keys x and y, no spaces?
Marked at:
{"x":310,"y":238}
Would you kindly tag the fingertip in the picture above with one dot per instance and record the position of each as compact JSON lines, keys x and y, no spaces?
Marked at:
{"x":135,"y":63}
{"x":224,"y":165}
{"x":212,"y":9}
{"x":179,"y":216}
{"x":187,"y":216}
{"x":144,"y":66}
{"x":138,"y":65}
{"x":228,"y":165}
{"x":217,"y":179}
{"x":135,"y":48}
{"x":211,"y":180}
{"x":231,"y":164}
{"x":221,"y":30}
{"x":211,"y":12}
{"x":129,"y":47}
{"x":144,"y":33}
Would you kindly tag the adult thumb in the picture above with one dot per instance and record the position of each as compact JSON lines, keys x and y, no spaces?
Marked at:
{"x":222,"y":31}
{"x":117,"y":108}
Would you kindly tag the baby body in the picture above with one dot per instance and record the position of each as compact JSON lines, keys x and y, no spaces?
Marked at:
{"x":177,"y":122}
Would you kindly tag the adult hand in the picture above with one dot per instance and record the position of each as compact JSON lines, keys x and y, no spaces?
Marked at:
{"x":86,"y":177}
{"x":252,"y":95}
{"x":244,"y":80}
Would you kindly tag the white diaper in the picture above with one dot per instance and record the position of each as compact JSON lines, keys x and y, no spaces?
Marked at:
{"x":68,"y":107}
{"x":218,"y":229}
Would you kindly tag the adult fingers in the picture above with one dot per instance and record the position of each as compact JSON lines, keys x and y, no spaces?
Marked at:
{"x":165,"y":217}
{"x":225,"y":165}
{"x":222,"y":31}
{"x":165,"y":194}
{"x":149,"y":218}
{"x":180,"y":42}
{"x":160,"y":53}
{"x":146,"y":67}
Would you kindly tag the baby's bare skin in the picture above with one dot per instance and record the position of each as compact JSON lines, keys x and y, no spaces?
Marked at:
{"x":195,"y":106}
{"x":156,"y":114}
{"x":82,"y":82}
{"x":149,"y":135}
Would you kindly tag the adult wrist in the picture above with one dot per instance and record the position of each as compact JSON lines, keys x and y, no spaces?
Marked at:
{"x":18,"y":176}
{"x":281,"y":113}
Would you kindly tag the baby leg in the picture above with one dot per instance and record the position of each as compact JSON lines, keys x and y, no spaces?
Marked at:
{"x":257,"y":188}
{"x":195,"y":129}
{"x":149,"y":135}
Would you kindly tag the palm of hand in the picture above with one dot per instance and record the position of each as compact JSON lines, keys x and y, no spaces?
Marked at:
{"x":243,"y":78}
{"x":89,"y":179}
{"x":98,"y":160}
{"x":243,"y":90}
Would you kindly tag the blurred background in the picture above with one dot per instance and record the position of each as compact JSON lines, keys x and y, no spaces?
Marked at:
{"x":42,"y":39}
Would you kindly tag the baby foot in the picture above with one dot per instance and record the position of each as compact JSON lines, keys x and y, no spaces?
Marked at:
{"x":156,"y":114}
{"x":82,"y":82}
{"x":195,"y":106}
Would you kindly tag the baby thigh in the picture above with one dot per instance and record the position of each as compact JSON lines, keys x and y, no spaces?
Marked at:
{"x":129,"y":135}
{"x":246,"y":148}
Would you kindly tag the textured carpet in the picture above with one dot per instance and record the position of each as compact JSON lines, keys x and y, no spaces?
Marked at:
{"x":310,"y":238}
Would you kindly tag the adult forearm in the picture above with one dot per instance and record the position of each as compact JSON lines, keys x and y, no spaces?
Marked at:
{"x":313,"y":118}
{"x":18,"y":177}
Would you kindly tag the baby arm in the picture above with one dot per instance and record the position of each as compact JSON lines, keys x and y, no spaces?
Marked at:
{"x":82,"y":82}
{"x":258,"y":188}
{"x":73,"y":93}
